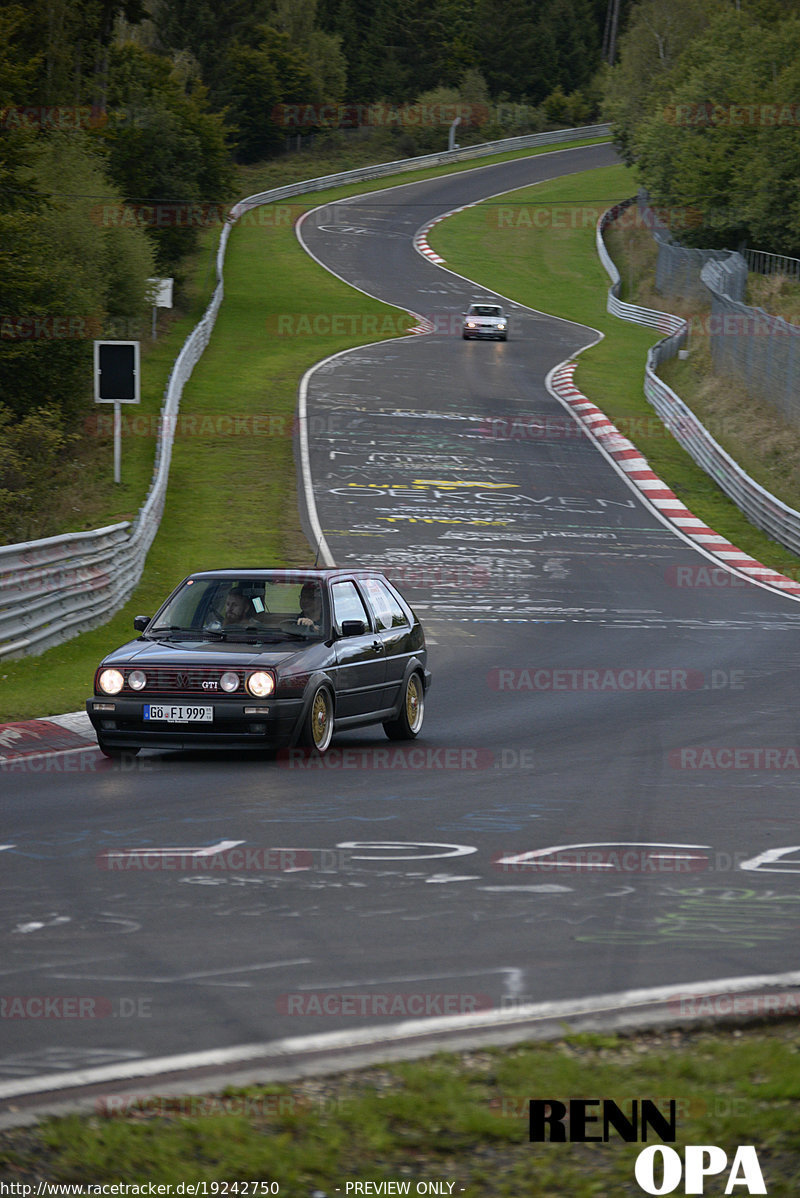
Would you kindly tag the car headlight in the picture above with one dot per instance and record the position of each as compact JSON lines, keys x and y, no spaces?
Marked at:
{"x":229,"y":681}
{"x":260,"y":684}
{"x":110,"y":682}
{"x":470,"y":324}
{"x":137,"y":680}
{"x":502,"y":324}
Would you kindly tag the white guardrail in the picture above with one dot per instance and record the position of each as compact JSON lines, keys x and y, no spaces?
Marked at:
{"x":52,"y":589}
{"x":768,"y":513}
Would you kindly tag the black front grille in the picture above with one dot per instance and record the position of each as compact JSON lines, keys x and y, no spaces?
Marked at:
{"x":182,"y":680}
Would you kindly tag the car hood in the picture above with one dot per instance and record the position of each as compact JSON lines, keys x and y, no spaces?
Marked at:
{"x":205,"y":653}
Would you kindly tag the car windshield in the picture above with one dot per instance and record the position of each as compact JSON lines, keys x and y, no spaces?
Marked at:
{"x":243,"y":609}
{"x":485,"y":310}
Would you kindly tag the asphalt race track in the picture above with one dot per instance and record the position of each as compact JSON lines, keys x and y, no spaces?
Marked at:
{"x":592,"y":696}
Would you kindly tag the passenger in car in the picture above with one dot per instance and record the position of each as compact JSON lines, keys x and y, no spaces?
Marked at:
{"x":238,"y":608}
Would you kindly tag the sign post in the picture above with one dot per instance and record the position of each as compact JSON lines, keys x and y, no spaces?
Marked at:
{"x":159,"y":292}
{"x":116,"y":380}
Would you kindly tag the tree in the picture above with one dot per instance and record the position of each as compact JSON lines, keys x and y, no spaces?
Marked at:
{"x":16,"y":75}
{"x":325,"y":61}
{"x":769,"y":185}
{"x":658,"y":33}
{"x":31,"y":450}
{"x":418,"y":36}
{"x":514,"y":55}
{"x":71,"y":40}
{"x":721,"y":138}
{"x":327,"y":67}
{"x":65,"y":271}
{"x":166,"y":151}
{"x":260,"y":78}
{"x":366,"y":28}
{"x":526,"y":51}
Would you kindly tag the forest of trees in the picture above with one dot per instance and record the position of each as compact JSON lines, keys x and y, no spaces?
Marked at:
{"x":109,"y":107}
{"x":705,"y":100}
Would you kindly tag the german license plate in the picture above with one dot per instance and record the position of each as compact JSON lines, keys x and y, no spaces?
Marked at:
{"x":177,"y":713}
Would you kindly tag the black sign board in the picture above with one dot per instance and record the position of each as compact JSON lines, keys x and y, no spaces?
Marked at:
{"x":116,"y":371}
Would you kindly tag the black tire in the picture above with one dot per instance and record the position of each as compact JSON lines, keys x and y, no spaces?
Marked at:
{"x":412,"y":711}
{"x":116,"y":751}
{"x":317,"y":729}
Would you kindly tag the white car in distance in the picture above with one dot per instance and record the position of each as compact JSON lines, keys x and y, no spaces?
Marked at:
{"x":485,"y":320}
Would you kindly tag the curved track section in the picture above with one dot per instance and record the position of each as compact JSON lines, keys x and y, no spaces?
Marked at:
{"x":602,"y":801}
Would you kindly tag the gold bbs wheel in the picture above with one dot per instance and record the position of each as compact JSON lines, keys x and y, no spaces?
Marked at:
{"x":318,"y":729}
{"x":409,"y":721}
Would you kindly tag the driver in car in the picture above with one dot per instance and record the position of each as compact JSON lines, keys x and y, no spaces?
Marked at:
{"x":311,"y":607}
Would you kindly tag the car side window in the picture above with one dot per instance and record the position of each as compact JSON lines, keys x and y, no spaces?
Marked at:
{"x":388,"y":612}
{"x":347,"y":604}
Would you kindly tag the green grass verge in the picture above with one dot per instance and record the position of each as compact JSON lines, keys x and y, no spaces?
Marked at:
{"x":232,"y":495}
{"x":458,"y":1119}
{"x":536,"y":250}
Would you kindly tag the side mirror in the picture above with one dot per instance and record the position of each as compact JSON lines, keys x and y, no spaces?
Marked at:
{"x":141,"y":622}
{"x":353,"y":628}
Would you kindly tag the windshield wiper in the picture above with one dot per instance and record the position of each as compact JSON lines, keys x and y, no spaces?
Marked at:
{"x":162,"y":630}
{"x":167,"y":632}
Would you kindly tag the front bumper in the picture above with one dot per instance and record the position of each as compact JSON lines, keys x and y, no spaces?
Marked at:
{"x":236,"y":724}
{"x":489,"y":331}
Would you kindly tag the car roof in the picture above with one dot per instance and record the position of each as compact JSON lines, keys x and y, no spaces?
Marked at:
{"x":288,"y":574}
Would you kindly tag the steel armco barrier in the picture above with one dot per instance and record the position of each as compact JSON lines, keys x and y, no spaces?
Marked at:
{"x":664,"y":322}
{"x":52,"y":589}
{"x":763,"y":509}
